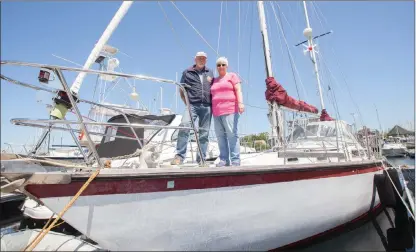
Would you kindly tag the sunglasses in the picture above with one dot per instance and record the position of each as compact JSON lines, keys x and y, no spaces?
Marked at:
{"x":218,"y":65}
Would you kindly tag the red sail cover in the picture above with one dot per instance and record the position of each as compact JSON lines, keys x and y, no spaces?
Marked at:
{"x":325,"y":116}
{"x":276,"y":92}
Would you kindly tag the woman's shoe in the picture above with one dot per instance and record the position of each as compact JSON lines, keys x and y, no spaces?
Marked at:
{"x":222,"y":163}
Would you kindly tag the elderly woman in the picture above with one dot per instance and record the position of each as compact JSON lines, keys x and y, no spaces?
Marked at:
{"x":227,"y":105}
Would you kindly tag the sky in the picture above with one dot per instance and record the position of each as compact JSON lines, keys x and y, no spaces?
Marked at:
{"x":367,"y":60}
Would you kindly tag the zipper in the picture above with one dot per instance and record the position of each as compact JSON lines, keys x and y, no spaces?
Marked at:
{"x":202,"y":83}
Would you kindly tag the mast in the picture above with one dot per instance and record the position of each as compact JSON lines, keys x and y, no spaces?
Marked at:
{"x":176,"y":93}
{"x":308,"y":34}
{"x":266,"y":46}
{"x":100,"y":44}
{"x":275,"y":113}
{"x":379,"y":138}
{"x":59,"y":111}
{"x":161,"y":100}
{"x":355,"y":122}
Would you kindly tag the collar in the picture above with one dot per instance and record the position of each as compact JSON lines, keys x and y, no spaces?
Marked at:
{"x":193,"y":68}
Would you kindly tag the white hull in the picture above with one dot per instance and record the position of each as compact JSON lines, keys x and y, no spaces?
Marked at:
{"x":253,"y":217}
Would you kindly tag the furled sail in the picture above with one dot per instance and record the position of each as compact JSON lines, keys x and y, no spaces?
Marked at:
{"x":325,"y":116}
{"x":276,"y":92}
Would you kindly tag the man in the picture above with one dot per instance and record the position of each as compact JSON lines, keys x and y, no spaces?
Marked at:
{"x":198,"y":79}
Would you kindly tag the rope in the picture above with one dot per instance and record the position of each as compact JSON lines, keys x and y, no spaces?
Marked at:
{"x":53,"y":224}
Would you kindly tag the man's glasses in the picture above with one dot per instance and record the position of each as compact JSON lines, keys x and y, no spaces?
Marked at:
{"x":218,"y":65}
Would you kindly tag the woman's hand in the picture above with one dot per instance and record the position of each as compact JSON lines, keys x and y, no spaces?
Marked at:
{"x":240,"y":108}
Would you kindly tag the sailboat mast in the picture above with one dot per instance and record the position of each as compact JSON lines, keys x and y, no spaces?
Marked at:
{"x":176,"y":93}
{"x":308,"y":34}
{"x":161,"y":100}
{"x":275,"y":113}
{"x":59,"y":111}
{"x":100,"y":44}
{"x":266,"y":46}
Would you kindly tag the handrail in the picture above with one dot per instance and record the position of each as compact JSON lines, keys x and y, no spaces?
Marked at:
{"x":58,"y":71}
{"x":19,"y":121}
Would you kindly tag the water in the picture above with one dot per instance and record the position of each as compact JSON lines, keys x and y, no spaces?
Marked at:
{"x":371,"y":236}
{"x":402,"y":161}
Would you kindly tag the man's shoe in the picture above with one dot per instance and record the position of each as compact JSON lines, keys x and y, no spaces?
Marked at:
{"x":177,"y":160}
{"x":203,"y":165}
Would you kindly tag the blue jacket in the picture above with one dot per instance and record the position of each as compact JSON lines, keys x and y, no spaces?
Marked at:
{"x":198,"y":92}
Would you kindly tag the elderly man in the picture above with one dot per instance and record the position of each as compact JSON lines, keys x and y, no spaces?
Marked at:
{"x":198,"y":79}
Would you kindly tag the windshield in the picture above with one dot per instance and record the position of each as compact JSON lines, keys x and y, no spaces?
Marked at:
{"x":317,"y":130}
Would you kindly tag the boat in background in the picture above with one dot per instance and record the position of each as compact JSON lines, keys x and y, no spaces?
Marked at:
{"x":392,"y":147}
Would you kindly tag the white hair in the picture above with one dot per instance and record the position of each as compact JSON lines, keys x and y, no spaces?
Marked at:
{"x":222,"y":60}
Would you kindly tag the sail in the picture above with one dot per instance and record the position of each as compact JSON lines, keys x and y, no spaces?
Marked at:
{"x":325,"y":116}
{"x":275,"y":92}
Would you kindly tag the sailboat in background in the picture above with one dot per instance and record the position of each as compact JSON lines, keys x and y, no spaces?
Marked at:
{"x":259,"y":205}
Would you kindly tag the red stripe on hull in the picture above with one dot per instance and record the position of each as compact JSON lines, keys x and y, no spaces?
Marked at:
{"x":321,"y":236}
{"x":126,"y":185}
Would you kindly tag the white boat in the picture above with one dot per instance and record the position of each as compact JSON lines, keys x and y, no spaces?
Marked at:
{"x":53,"y":241}
{"x":64,"y":153}
{"x":394,"y":148}
{"x":9,"y":205}
{"x":318,"y":182}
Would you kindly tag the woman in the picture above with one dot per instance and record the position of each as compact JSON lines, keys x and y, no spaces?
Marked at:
{"x":227,"y":105}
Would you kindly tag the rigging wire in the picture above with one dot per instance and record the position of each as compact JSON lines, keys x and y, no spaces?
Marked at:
{"x":291,"y":56}
{"x":278,"y":22}
{"x":202,"y":37}
{"x":228,"y":28}
{"x":239,"y":39}
{"x":337,"y":63}
{"x":292,"y":63}
{"x":178,"y":40}
{"x":219,"y":30}
{"x":193,"y":27}
{"x":246,"y":99}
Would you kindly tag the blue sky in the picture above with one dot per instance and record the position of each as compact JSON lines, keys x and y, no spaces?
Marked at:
{"x":372,"y":46}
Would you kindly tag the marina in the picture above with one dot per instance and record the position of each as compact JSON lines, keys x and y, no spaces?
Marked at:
{"x":310,"y":180}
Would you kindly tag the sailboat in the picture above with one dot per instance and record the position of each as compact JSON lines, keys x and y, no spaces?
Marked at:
{"x":320,"y":181}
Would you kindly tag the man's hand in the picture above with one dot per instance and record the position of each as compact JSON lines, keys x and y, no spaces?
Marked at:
{"x":182,"y":96}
